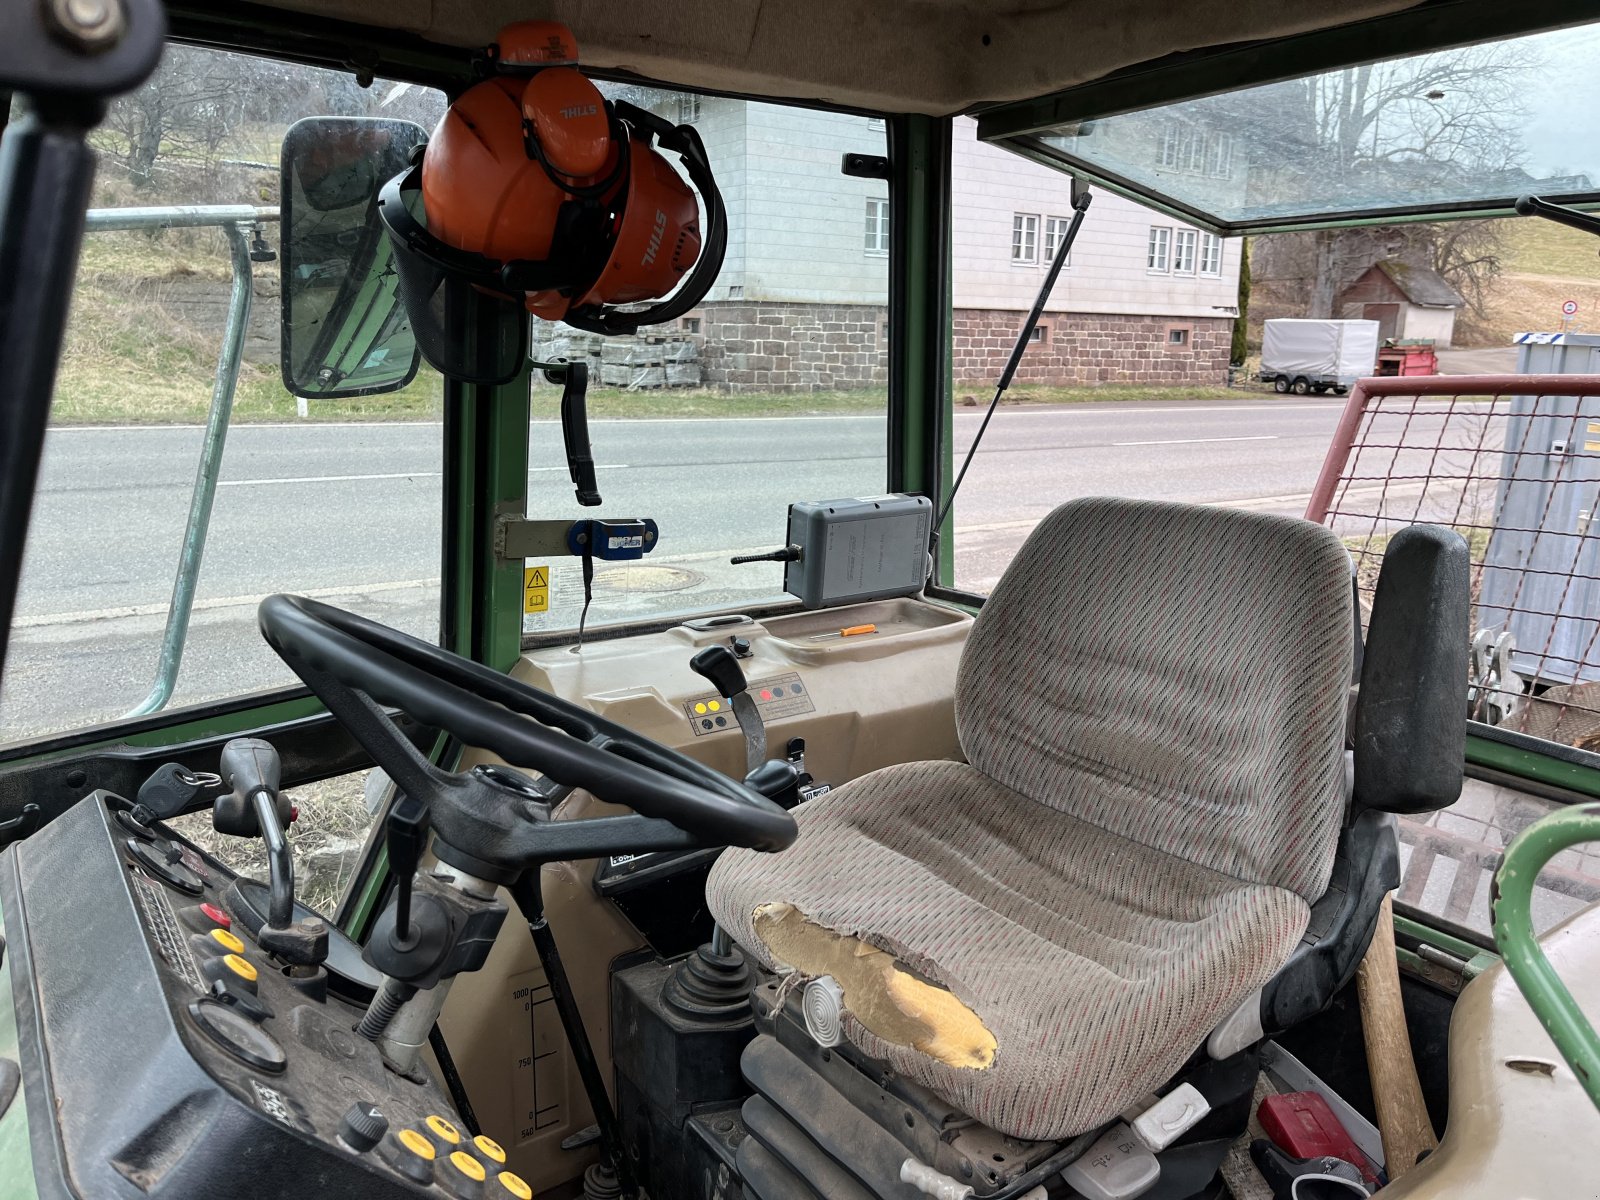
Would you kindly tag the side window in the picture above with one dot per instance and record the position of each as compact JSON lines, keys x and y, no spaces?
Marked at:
{"x":1448,"y":859}
{"x":1111,"y":331}
{"x":335,"y":498}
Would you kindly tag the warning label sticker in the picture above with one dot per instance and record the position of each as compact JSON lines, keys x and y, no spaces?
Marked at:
{"x":535,"y":589}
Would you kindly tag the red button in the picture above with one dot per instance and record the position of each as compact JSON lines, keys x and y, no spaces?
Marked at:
{"x":217,"y":915}
{"x":766,"y":693}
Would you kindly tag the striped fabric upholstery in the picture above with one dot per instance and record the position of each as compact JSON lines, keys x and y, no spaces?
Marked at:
{"x":1152,"y":707}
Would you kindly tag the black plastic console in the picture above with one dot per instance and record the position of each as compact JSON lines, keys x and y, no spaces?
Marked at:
{"x":144,"y":1078}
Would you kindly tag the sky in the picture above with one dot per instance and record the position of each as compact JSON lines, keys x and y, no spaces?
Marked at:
{"x":1563,"y":130}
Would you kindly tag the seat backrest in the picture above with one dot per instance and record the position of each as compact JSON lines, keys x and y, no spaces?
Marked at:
{"x":1176,"y":675}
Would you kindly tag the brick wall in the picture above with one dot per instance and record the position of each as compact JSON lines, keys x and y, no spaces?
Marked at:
{"x":754,"y":347}
{"x":1078,"y":348}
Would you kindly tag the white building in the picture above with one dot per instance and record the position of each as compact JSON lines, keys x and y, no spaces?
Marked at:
{"x":800,"y":300}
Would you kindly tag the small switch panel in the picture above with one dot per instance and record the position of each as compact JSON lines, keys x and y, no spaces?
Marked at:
{"x":777,"y":699}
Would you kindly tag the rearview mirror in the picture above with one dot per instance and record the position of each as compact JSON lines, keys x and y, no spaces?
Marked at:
{"x":345,"y":331}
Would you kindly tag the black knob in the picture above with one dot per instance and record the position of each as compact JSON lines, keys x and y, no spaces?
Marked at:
{"x":719,"y":667}
{"x":363,"y":1127}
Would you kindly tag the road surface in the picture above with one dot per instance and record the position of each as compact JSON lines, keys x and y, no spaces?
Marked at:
{"x":352,"y":513}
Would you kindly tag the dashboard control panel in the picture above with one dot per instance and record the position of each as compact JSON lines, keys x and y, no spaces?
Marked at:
{"x":777,"y":699}
{"x":165,"y":1053}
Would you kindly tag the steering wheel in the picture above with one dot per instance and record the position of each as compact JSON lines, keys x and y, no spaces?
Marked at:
{"x":493,"y":822}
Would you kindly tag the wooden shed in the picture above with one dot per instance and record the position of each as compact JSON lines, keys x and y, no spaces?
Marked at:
{"x":1407,"y":301}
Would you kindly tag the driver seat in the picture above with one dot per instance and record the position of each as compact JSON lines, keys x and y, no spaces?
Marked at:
{"x":1152,"y":705}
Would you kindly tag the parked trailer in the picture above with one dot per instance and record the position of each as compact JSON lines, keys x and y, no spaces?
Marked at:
{"x":1302,"y":355}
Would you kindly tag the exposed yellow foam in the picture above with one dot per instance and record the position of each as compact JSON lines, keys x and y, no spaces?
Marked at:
{"x":888,"y":1000}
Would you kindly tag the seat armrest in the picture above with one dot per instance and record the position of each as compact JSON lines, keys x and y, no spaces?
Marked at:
{"x":1366,"y":868}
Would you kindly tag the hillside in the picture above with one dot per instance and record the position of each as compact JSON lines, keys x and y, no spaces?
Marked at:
{"x":1544,"y":264}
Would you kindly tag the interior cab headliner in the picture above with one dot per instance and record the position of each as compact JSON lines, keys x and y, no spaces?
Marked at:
{"x":928,"y":56}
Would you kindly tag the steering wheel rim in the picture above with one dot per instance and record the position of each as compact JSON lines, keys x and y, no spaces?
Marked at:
{"x":356,"y":665}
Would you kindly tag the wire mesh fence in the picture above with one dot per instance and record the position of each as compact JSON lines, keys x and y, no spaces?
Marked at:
{"x":1512,"y":463}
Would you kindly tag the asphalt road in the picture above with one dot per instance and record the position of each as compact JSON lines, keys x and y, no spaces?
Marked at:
{"x":351,"y":513}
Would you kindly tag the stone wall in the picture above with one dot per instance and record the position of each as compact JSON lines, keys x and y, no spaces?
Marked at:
{"x":758,"y":347}
{"x":1085,"y":348}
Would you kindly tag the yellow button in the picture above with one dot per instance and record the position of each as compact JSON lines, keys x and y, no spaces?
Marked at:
{"x":515,"y":1185}
{"x":416,"y":1143}
{"x":489,"y":1148}
{"x":446,"y":1131}
{"x":467,"y":1165}
{"x":228,"y":941}
{"x":700,"y":709}
{"x":714,"y":705}
{"x":240,"y":967}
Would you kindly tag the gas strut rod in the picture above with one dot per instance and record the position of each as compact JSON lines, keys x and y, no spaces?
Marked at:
{"x":1080,"y":205}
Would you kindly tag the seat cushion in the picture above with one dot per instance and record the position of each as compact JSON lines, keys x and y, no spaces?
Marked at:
{"x":1097,"y":963}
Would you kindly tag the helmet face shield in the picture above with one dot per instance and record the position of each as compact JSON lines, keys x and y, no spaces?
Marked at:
{"x":464,"y":326}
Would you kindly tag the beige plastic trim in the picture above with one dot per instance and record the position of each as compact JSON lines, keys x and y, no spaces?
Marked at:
{"x":1520,"y":1123}
{"x":874,"y":700}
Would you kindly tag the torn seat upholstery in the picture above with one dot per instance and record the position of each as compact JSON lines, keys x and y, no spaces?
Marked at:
{"x":1152,"y":707}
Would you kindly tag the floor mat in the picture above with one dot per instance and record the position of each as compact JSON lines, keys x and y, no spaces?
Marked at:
{"x":1238,"y":1171}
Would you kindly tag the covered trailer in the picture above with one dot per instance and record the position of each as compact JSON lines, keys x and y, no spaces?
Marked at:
{"x":1303,"y":355}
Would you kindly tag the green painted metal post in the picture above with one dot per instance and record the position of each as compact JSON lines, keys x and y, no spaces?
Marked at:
{"x":920,"y":311}
{"x":234,"y":220}
{"x":1511,"y":908}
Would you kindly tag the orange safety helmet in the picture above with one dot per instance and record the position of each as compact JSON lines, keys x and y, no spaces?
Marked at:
{"x":536,"y":190}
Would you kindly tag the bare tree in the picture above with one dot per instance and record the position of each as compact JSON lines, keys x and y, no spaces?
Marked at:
{"x":1394,"y":132}
{"x":187,"y":109}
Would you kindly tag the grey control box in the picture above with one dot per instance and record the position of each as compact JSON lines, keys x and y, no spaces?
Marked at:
{"x":861,"y":549}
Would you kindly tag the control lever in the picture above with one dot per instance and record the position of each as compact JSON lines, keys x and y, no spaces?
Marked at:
{"x":255,"y":808}
{"x":252,"y":769}
{"x":404,"y":835}
{"x":783,"y":780}
{"x":721,"y":669}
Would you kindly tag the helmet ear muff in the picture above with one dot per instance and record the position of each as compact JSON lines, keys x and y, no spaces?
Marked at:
{"x":569,"y":122}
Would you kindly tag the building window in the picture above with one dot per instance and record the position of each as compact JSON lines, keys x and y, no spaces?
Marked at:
{"x":1024,"y":238}
{"x":1210,"y":254}
{"x":690,"y":324}
{"x":877,"y":237}
{"x":1177,"y":337}
{"x":1183,"y":244}
{"x":1039,"y":335}
{"x":688,"y":109}
{"x":1055,"y":228}
{"x":1219,"y":156}
{"x":1195,"y":151}
{"x":1159,"y":257}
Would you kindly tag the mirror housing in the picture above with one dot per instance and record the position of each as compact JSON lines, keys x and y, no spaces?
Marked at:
{"x":344,"y":329}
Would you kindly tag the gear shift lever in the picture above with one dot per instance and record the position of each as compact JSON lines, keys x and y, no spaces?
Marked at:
{"x":256,"y":809}
{"x":721,"y":669}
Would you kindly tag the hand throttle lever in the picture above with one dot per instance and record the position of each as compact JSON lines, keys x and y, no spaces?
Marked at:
{"x":721,"y":669}
{"x":251,"y":768}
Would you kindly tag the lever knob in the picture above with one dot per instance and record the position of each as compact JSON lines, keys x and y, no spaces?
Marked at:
{"x":363,"y":1126}
{"x":250,"y":764}
{"x":721,"y":669}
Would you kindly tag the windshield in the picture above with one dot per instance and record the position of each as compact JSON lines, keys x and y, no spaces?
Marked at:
{"x":772,"y":391}
{"x":1465,"y":130}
